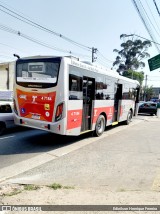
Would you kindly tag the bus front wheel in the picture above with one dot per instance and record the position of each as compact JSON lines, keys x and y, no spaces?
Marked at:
{"x":100,"y":126}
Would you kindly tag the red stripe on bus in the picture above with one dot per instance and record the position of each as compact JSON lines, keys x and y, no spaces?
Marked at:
{"x":74,"y":119}
{"x":121,"y":110}
{"x":109,"y":111}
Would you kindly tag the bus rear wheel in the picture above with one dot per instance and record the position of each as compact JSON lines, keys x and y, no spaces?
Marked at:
{"x":100,"y":126}
{"x":129,"y":118}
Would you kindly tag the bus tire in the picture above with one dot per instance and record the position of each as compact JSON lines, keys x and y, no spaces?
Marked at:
{"x":2,"y":128}
{"x":129,"y":117}
{"x":100,"y":126}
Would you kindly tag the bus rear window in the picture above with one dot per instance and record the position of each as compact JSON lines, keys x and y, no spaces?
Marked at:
{"x":37,"y":74}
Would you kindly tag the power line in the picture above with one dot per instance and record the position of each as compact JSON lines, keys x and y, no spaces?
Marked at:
{"x":11,"y":47}
{"x":144,"y":22}
{"x":5,"y":56}
{"x":143,"y":38}
{"x":103,"y":63}
{"x":149,"y":18}
{"x":103,"y":60}
{"x":109,"y":61}
{"x":154,"y":1}
{"x":39,"y":26}
{"x":16,"y":15}
{"x":152,"y":15}
{"x":10,"y":30}
{"x":13,"y":31}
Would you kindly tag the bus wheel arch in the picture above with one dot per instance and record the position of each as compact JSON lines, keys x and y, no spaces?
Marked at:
{"x":100,"y":125}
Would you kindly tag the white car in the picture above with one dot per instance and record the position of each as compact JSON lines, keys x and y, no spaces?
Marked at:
{"x":6,"y":115}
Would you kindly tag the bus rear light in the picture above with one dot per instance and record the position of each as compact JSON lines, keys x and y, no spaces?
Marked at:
{"x":59,"y":112}
{"x":47,"y":126}
{"x":22,"y":122}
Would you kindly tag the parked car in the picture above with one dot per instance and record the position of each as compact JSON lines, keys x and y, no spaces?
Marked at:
{"x":6,"y":115}
{"x":140,"y":103}
{"x":154,"y":100}
{"x":148,"y":108}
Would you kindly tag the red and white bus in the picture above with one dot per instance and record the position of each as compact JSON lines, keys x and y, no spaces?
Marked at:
{"x":66,"y":96}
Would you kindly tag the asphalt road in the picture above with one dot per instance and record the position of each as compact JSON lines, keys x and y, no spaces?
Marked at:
{"x":19,"y":144}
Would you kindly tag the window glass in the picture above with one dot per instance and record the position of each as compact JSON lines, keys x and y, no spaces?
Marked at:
{"x":134,"y":94}
{"x":5,"y":109}
{"x":75,"y":84}
{"x":129,"y":93}
{"x":125,"y":95}
{"x":99,"y":88}
{"x":37,"y":72}
{"x":153,"y":105}
{"x":104,"y":88}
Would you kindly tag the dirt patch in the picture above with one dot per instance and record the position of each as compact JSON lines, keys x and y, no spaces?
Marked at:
{"x":77,"y":196}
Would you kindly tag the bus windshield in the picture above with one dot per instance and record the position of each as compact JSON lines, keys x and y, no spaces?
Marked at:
{"x":41,"y":73}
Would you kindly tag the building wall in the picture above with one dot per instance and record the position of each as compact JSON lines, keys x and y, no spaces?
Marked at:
{"x":11,"y":74}
{"x":156,"y":92}
{"x":7,"y":77}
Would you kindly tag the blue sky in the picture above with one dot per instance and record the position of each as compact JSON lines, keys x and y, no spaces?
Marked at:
{"x":96,"y":24}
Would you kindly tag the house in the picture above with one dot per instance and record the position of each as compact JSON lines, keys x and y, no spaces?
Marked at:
{"x":156,"y":93}
{"x":7,"y":75}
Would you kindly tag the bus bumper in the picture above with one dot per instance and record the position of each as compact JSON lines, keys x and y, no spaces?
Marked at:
{"x":57,"y":127}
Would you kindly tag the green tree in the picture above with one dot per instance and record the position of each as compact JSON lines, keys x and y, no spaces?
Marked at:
{"x":148,"y":92}
{"x":132,"y":54}
{"x":134,"y":75}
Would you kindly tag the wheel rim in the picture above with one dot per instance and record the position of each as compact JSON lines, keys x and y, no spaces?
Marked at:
{"x":100,"y":126}
{"x":129,"y":116}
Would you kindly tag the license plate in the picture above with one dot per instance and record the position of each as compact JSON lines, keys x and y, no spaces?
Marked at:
{"x":36,"y":117}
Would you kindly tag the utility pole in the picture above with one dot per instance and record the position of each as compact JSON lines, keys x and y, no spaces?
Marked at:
{"x":7,"y":83}
{"x":94,"y":51}
{"x":145,"y":87}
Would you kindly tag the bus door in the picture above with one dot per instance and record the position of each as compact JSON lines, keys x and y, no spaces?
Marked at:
{"x":88,"y":97}
{"x":118,"y":97}
{"x":137,"y":95}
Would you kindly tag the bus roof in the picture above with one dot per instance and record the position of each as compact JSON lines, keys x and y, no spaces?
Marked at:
{"x":86,"y":65}
{"x":102,"y":70}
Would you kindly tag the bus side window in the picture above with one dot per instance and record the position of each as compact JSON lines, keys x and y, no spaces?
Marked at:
{"x":126,"y":89}
{"x":99,"y":90}
{"x":75,"y":87}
